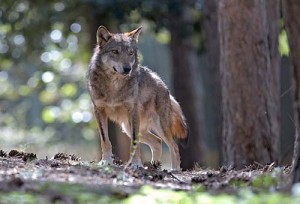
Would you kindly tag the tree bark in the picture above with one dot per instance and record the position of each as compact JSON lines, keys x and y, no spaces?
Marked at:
{"x":291,"y":9}
{"x":273,"y":18}
{"x":211,"y":77}
{"x":184,"y":60}
{"x":249,"y":67}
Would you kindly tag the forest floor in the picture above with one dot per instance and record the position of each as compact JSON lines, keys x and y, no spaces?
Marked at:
{"x":66,"y":179}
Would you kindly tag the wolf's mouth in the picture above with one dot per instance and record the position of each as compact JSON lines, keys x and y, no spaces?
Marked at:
{"x":115,"y":69}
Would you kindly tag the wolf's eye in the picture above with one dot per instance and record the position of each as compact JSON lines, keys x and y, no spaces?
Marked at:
{"x":115,"y":52}
{"x":131,"y":53}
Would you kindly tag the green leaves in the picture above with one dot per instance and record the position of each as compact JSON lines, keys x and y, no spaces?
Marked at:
{"x":148,"y":194}
{"x":68,"y":90}
{"x":283,"y":44}
{"x":264,"y":181}
{"x":50,"y":113}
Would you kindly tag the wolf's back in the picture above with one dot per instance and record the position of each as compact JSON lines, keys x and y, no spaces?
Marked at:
{"x":178,"y":127}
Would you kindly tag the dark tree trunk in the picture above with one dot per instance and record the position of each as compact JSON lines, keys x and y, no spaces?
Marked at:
{"x":273,"y":18}
{"x":211,"y":77}
{"x":184,"y":60}
{"x":291,"y":9}
{"x":249,"y":78}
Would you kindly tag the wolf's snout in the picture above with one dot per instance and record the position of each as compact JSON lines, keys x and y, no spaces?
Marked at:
{"x":126,"y":69}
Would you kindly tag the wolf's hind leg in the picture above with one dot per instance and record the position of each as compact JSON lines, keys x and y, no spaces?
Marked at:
{"x":155,"y":144}
{"x":106,"y":147}
{"x":174,"y":151}
{"x":173,"y":147}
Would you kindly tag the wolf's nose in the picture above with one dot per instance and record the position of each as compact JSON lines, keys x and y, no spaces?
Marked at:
{"x":126,"y":70}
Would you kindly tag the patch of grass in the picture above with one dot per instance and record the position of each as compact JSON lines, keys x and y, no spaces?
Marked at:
{"x":245,"y":196}
{"x":265,"y":182}
{"x":62,"y":193}
{"x":238,"y":183}
{"x":108,"y":169}
{"x":21,"y":197}
{"x":67,"y":193}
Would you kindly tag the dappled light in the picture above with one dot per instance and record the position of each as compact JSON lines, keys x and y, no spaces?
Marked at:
{"x":42,"y":71}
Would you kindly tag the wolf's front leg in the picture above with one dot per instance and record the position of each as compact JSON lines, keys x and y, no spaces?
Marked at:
{"x":136,"y":159}
{"x":135,"y":155}
{"x":106,"y":147}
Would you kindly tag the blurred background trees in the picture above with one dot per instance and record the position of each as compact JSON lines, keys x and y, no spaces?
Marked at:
{"x":44,"y":50}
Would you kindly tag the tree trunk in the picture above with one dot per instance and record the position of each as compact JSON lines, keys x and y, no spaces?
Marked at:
{"x":291,"y":9}
{"x":273,"y":17}
{"x":211,"y":77}
{"x":184,"y":60}
{"x":250,"y":85}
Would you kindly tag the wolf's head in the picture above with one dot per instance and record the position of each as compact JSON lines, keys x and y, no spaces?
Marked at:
{"x":118,"y":52}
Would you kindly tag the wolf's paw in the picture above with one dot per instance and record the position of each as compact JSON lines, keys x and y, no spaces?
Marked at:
{"x":105,"y":162}
{"x":136,"y":164}
{"x":175,"y":171}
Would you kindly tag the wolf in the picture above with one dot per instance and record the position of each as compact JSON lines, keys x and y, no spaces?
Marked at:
{"x":133,"y":96}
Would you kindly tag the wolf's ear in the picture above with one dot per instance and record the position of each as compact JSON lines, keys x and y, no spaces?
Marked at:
{"x":135,"y":33}
{"x":103,"y":35}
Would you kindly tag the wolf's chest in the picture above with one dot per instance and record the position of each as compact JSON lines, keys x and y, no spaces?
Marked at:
{"x":113,"y":101}
{"x":109,"y":94}
{"x":107,"y":103}
{"x":116,"y":111}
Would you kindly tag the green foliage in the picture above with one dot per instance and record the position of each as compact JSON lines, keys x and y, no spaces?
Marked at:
{"x":150,"y":195}
{"x":43,"y":55}
{"x":265,"y":182}
{"x":163,"y":36}
{"x":237,"y":183}
{"x":68,"y":90}
{"x":199,"y":188}
{"x":48,"y":115}
{"x":283,"y":44}
{"x":58,"y":193}
{"x":80,"y":194}
{"x":20,"y":198}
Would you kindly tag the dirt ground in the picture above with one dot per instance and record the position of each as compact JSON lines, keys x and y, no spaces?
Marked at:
{"x":25,"y":172}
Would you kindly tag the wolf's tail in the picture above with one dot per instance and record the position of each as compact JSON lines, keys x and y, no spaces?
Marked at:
{"x":178,"y":127}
